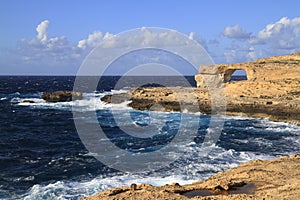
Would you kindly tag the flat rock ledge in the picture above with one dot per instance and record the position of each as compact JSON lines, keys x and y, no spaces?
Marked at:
{"x":271,"y":179}
{"x":61,"y":96}
{"x":275,"y":100}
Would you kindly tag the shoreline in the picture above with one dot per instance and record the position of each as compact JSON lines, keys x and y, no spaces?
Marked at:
{"x":272,"y":105}
{"x":278,"y":178}
{"x":271,"y":91}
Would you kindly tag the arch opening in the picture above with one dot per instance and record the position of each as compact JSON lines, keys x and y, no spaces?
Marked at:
{"x":232,"y":75}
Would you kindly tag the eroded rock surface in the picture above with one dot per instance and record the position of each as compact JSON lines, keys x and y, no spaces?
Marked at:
{"x":265,"y":69}
{"x":273,"y":179}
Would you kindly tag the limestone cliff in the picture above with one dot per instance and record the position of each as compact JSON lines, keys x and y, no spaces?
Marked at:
{"x":265,"y":69}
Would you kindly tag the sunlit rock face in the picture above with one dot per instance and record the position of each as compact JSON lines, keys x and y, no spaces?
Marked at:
{"x":265,"y":69}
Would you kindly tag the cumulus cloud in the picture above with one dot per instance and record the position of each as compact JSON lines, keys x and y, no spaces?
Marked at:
{"x":279,"y":38}
{"x":58,"y":51}
{"x":236,"y":32}
{"x":41,"y":29}
{"x":147,"y":37}
{"x":51,"y":51}
{"x":283,"y":34}
{"x":93,"y":40}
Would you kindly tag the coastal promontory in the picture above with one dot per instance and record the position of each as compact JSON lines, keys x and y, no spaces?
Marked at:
{"x":272,"y":90}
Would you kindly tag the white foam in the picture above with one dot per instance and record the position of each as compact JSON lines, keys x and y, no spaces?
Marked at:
{"x":90,"y":102}
{"x":295,"y":140}
{"x":77,"y":190}
{"x":192,"y":166}
{"x":182,"y":173}
{"x":236,"y":117}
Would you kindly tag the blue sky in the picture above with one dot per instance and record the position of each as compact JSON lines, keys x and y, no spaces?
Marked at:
{"x":231,"y":31}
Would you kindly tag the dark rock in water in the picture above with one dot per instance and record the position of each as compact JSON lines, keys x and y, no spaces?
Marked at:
{"x":27,"y":101}
{"x":61,"y":96}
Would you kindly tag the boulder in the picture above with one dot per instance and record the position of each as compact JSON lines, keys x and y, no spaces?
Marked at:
{"x":61,"y":96}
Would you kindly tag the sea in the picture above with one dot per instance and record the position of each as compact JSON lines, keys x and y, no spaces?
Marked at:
{"x":42,"y":155}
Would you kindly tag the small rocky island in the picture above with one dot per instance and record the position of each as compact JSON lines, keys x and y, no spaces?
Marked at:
{"x":61,"y":96}
{"x":272,"y":90}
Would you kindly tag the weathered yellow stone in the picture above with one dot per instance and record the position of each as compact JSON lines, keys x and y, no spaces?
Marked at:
{"x":265,"y":69}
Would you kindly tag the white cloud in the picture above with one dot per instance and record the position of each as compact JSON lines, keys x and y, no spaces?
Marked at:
{"x":279,"y":38}
{"x":47,"y":51}
{"x":283,"y":34}
{"x":236,"y":32}
{"x":148,"y":37}
{"x":93,"y":40}
{"x":58,"y":51}
{"x":41,"y":29}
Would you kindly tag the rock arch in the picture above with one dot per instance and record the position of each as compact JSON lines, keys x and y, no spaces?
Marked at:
{"x":220,"y":74}
{"x":264,"y":69}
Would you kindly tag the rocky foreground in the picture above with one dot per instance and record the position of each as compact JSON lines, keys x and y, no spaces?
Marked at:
{"x":273,"y":179}
{"x":271,"y":91}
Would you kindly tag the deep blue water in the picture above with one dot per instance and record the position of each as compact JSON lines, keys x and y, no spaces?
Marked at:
{"x":43,"y":157}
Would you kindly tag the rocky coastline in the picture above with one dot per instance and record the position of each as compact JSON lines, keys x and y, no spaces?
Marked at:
{"x":272,"y":179}
{"x":272,"y":93}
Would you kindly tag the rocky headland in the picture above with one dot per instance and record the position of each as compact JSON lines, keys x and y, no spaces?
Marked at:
{"x":272,"y":90}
